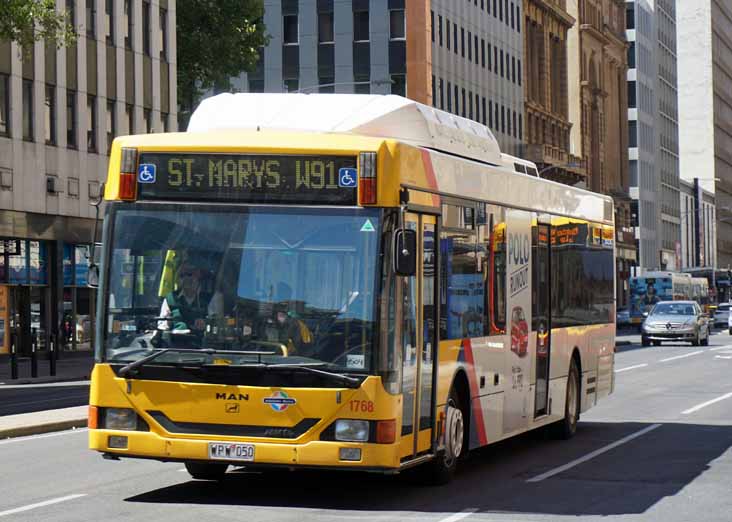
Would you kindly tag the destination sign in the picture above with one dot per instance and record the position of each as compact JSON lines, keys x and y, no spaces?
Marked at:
{"x":251,"y":178}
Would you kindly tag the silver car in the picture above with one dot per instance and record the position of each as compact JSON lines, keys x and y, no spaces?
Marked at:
{"x":721,"y":315}
{"x":676,"y":321}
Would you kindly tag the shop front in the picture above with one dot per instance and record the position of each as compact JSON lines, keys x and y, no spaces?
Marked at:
{"x":43,"y":284}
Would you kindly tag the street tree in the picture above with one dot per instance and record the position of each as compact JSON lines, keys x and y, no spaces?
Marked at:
{"x":217,"y":40}
{"x":28,"y":21}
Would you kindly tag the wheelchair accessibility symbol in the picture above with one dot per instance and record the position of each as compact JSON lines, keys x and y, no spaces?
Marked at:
{"x":146,"y":173}
{"x":347,"y":177}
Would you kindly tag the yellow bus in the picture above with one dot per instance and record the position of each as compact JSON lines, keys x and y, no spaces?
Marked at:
{"x":346,"y":282}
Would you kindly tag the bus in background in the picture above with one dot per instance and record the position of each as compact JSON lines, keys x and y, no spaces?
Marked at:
{"x":700,"y":293}
{"x":653,"y":287}
{"x":345,"y":282}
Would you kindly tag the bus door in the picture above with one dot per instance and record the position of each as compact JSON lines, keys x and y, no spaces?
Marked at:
{"x":418,"y":339}
{"x":542,"y":315}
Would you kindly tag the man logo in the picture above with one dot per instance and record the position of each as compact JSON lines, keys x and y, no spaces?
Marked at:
{"x":232,"y":397}
{"x":231,"y":407}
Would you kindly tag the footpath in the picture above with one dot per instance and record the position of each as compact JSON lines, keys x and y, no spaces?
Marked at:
{"x":74,"y":367}
{"x":79,"y":369}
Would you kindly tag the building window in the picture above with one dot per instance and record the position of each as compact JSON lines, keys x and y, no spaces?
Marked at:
{"x":28,"y":110}
{"x":256,"y":85}
{"x":462,"y":42}
{"x":482,"y":52}
{"x":129,"y":33}
{"x":290,"y":34}
{"x":521,"y":126}
{"x":326,"y":84}
{"x":291,"y":85}
{"x":147,"y":120}
{"x":361,"y":26}
{"x":432,"y":25}
{"x":632,"y":133}
{"x":91,"y":123}
{"x":484,"y":111}
{"x":4,"y":105}
{"x":513,"y":69}
{"x":362,"y":85}
{"x":630,"y":16}
{"x":442,"y":94}
{"x":631,"y":55}
{"x":631,"y":95}
{"x":71,"y":11}
{"x":50,"y":115}
{"x":146,"y":28}
{"x":109,"y":21}
{"x":455,"y":37}
{"x":399,"y":84}
{"x":165,"y":118}
{"x":111,"y":124}
{"x":130,"y":116}
{"x":457,"y":100}
{"x":71,"y":119}
{"x":397,"y":25}
{"x":449,"y":97}
{"x":519,"y":70}
{"x":439,"y":28}
{"x":475,"y":41}
{"x":325,"y":28}
{"x":447,"y":30}
{"x":163,"y":34}
{"x":513,"y":19}
{"x":91,"y":18}
{"x":463,"y":104}
{"x":502,"y":63}
{"x":470,"y":47}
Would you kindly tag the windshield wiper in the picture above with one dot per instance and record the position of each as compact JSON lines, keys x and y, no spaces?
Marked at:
{"x":350,"y":382}
{"x":129,"y":368}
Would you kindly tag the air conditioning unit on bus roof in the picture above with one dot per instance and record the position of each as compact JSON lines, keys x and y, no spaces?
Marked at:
{"x":380,"y":116}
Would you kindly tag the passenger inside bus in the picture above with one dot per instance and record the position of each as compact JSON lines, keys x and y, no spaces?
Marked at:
{"x":283,"y":326}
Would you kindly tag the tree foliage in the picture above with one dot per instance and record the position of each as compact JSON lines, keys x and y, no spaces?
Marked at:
{"x":217,"y":40}
{"x":27,"y":21}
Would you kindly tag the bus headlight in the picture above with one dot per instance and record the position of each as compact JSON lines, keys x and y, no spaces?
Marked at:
{"x":120,"y":419}
{"x":348,"y":430}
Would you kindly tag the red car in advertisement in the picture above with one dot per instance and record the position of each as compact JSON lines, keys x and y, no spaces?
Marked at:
{"x":519,"y":332}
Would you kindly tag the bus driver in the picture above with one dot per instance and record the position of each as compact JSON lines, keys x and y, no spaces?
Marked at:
{"x":188,"y":305}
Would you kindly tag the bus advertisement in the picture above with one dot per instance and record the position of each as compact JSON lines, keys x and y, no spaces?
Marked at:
{"x":374,"y":290}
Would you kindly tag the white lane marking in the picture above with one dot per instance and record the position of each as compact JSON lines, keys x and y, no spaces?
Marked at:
{"x":723,"y":357}
{"x":681,"y":356}
{"x":44,"y":436}
{"x":705,"y":404}
{"x":40,"y":504}
{"x":465,"y":513}
{"x":718,"y":348}
{"x":631,"y":368}
{"x":592,"y":455}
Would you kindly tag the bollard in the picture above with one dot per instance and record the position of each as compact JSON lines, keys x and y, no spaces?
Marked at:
{"x":52,"y":355}
{"x":13,"y":358}
{"x":34,"y":354}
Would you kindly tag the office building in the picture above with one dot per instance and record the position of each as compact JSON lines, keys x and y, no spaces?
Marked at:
{"x":462,"y":57}
{"x":705,"y":107}
{"x":59,"y":112}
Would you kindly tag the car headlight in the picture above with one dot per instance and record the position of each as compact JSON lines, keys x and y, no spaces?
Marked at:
{"x":348,"y":430}
{"x":120,"y":419}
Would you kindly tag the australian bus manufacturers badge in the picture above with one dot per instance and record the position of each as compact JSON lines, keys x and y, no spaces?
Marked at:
{"x":279,"y":401}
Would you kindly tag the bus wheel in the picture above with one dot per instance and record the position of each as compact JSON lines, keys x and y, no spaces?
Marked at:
{"x":442,"y":468}
{"x":567,"y":427}
{"x":206,"y":470}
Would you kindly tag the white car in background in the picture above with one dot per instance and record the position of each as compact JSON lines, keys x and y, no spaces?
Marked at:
{"x":721,"y":315}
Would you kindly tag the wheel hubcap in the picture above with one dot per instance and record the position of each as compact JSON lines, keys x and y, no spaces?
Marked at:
{"x":454,"y":431}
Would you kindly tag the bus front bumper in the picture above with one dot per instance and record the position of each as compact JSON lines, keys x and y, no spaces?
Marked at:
{"x":149,"y":445}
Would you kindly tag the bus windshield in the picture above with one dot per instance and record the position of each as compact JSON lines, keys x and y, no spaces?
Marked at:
{"x":284,"y":285}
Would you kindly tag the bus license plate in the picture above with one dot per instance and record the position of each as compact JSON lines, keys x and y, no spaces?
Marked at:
{"x":231,"y":451}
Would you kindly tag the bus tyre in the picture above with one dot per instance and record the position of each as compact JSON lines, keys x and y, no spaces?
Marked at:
{"x":567,"y":427}
{"x":441,"y":470}
{"x":206,"y":470}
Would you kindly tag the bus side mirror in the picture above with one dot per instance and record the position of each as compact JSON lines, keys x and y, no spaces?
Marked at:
{"x":405,"y":252}
{"x":93,"y":276}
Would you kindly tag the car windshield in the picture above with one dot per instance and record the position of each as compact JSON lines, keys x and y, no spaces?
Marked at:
{"x":291,"y":285}
{"x":673,"y":309}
